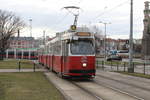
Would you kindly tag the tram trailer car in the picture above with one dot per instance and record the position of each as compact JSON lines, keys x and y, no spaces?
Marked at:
{"x":70,"y":54}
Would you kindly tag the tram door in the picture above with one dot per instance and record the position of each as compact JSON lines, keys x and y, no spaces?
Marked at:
{"x":64,"y":56}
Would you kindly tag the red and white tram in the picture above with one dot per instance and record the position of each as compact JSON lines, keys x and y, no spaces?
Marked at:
{"x":70,"y":53}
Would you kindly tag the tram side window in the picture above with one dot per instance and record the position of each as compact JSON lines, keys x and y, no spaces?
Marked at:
{"x":57,"y":50}
{"x":40,"y":52}
{"x":65,"y":49}
{"x":46,"y":49}
{"x":54,"y":49}
{"x":51,"y":50}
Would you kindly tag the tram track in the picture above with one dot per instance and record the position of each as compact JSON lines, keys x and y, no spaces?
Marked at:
{"x":97,"y":90}
{"x":86,"y":90}
{"x":127,"y":77}
{"x":122,"y":82}
{"x":105,"y":96}
{"x":123,"y":92}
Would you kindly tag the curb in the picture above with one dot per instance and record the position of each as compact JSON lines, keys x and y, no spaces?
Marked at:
{"x":65,"y":96}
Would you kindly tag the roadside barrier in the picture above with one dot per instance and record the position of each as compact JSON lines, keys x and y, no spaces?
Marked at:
{"x":143,"y":68}
{"x":20,"y":64}
{"x":34,"y":67}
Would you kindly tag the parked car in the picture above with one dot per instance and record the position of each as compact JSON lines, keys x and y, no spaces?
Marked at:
{"x":114,"y":57}
{"x":123,"y":53}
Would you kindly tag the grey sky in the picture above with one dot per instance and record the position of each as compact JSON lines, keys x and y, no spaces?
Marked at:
{"x":48,"y":15}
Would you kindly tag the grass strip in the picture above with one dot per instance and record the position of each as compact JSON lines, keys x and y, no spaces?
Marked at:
{"x":135,"y":74}
{"x":27,"y":86}
{"x":114,"y":63}
{"x":14,"y":64}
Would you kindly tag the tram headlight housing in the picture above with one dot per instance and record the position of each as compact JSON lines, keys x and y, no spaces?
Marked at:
{"x":84,"y":64}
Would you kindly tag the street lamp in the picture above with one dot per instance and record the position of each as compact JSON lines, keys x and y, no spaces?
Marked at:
{"x":105,"y":24}
{"x":30,"y":21}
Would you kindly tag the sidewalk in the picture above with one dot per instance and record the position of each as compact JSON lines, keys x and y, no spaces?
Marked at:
{"x":69,"y":90}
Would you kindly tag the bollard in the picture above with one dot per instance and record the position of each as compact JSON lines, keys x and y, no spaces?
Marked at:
{"x":117,"y":66}
{"x":111,"y":65}
{"x":133,"y":66}
{"x":34,"y":67}
{"x":19,"y":65}
{"x":144,"y":69}
{"x":102,"y":64}
{"x":124,"y":66}
{"x":97,"y":63}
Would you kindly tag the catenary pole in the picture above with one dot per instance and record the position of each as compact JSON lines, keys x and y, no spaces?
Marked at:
{"x":105,"y":25}
{"x":131,"y":68}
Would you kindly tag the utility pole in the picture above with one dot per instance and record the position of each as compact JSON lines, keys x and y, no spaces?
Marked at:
{"x":131,"y":67}
{"x":30,"y":21}
{"x":105,"y":24}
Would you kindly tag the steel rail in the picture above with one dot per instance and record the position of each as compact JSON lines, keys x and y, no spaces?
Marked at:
{"x":87,"y":91}
{"x":123,"y":92}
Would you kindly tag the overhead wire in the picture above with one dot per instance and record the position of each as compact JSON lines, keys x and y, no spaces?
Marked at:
{"x":60,"y":20}
{"x":64,"y":17}
{"x":80,"y":2}
{"x":119,"y":5}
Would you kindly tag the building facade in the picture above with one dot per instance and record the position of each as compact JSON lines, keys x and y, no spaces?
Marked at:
{"x":22,"y":48}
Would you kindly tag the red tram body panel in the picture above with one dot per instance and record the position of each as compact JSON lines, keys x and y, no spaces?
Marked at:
{"x":74,"y":66}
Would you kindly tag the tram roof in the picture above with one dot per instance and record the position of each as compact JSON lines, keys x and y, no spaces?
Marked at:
{"x":70,"y":34}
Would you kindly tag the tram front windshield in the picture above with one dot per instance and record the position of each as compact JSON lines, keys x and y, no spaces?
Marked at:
{"x":82,"y":47}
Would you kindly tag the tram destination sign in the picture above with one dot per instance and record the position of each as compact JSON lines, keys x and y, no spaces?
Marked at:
{"x":83,"y":34}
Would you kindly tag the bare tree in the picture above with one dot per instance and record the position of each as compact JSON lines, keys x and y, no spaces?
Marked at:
{"x":9,"y":25}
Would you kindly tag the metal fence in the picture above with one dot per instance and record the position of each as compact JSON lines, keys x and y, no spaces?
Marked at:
{"x":23,"y":65}
{"x":143,"y":68}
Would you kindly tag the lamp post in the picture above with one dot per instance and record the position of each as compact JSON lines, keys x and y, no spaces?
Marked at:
{"x":105,"y":24}
{"x":131,"y":67}
{"x":30,"y":21}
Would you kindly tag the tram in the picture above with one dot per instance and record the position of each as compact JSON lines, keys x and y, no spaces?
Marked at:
{"x":70,"y":53}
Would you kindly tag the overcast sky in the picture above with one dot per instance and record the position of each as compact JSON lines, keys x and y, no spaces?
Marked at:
{"x":48,"y":15}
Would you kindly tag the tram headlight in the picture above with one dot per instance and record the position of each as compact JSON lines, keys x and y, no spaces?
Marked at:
{"x":84,"y":64}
